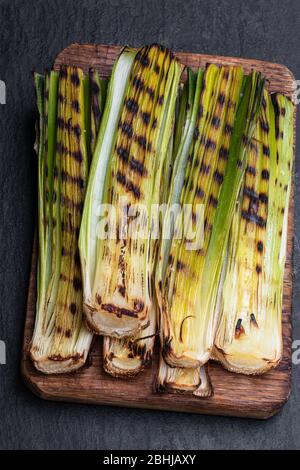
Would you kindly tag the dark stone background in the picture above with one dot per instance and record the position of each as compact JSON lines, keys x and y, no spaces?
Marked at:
{"x":32,"y":33}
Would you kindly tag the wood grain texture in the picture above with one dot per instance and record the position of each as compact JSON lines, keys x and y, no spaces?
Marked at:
{"x":234,"y":395}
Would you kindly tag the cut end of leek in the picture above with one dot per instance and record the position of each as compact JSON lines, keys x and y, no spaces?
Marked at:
{"x":59,"y":365}
{"x":184,"y":380}
{"x":127,"y":357}
{"x":249,"y":334}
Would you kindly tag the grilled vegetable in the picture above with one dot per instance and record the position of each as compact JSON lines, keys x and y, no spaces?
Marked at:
{"x":175,"y":379}
{"x":249,"y":336}
{"x":213,"y":179}
{"x":127,"y":357}
{"x":130,"y":153}
{"x":171,"y":378}
{"x":60,"y":341}
{"x":98,"y":89}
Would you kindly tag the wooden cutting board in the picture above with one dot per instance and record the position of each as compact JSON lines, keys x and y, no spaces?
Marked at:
{"x":234,"y":395}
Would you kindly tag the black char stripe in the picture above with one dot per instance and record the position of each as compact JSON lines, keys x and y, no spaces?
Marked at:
{"x":253,"y":218}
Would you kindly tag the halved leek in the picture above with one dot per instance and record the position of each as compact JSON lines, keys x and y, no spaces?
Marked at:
{"x":249,"y":338}
{"x":130,"y":153}
{"x":192,"y":277}
{"x":60,"y":341}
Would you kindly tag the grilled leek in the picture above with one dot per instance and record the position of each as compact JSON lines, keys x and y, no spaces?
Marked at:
{"x":130,"y":153}
{"x":213,"y":178}
{"x":249,"y":338}
{"x":60,"y":341}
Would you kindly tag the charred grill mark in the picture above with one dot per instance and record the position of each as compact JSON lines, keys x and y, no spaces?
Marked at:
{"x":223,"y":153}
{"x":146,"y":117}
{"x":65,"y":201}
{"x":132,"y":106}
{"x":63,"y":72}
{"x":76,"y":106}
{"x":216,"y":122}
{"x":260,"y":246}
{"x":129,"y":185}
{"x":150,"y":92}
{"x":282,"y":111}
{"x":181,"y":326}
{"x":250,"y":193}
{"x":196,"y":134}
{"x":266,"y":150}
{"x":204,"y":168}
{"x":228,"y":129}
{"x":123,"y":154}
{"x":77,"y":130}
{"x":199,"y":192}
{"x":58,"y":357}
{"x":263,"y":197}
{"x":77,"y":180}
{"x":77,"y":283}
{"x":138,"y":83}
{"x":253,"y":321}
{"x":218,"y":177}
{"x":251,"y":170}
{"x":154,"y":124}
{"x":68,"y":333}
{"x":77,"y":258}
{"x":264,"y":126}
{"x":221,"y":99}
{"x":253,"y":218}
{"x":64,"y":252}
{"x":207,"y":226}
{"x":265,"y":175}
{"x":180,"y":266}
{"x":210,"y":144}
{"x":137,"y":166}
{"x":141,"y":140}
{"x":75,"y":78}
{"x":60,"y":123}
{"x":196,"y":162}
{"x":160,"y":100}
{"x":213,"y":201}
{"x":144,"y":61}
{"x":72,"y":308}
{"x":122,"y":290}
{"x":118,"y":310}
{"x":77,"y":155}
{"x":239,"y":329}
{"x":258,"y":268}
{"x":253,"y":147}
{"x":138,"y":305}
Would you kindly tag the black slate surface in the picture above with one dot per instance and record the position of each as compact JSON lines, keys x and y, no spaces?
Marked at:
{"x":32,"y":33}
